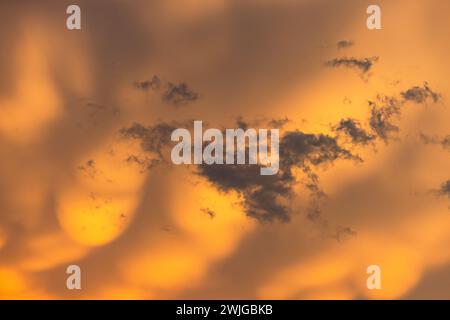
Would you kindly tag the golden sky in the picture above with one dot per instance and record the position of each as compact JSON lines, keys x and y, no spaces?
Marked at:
{"x":85,"y":123}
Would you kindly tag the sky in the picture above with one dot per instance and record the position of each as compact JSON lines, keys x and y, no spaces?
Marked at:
{"x":86,"y":177}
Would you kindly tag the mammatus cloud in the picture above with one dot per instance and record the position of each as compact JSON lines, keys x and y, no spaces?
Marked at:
{"x":364,"y":65}
{"x":175,"y":94}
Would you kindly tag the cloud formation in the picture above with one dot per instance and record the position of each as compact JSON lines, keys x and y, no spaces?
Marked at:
{"x":266,"y":198}
{"x":343,"y":44}
{"x":363,"y":65}
{"x":445,"y":189}
{"x":420,"y":94}
{"x":442,"y":141}
{"x":383,"y":111}
{"x":175,"y":94}
{"x":352,"y":128}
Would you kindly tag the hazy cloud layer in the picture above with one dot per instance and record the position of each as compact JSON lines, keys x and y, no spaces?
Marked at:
{"x":85,"y":181}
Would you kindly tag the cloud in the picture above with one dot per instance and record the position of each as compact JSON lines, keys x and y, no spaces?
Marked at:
{"x":343,"y":232}
{"x":178,"y":94}
{"x":266,"y":198}
{"x":260,"y":193}
{"x":420,"y":94}
{"x":153,"y":84}
{"x":278,"y":123}
{"x":209,"y":212}
{"x":385,"y":109}
{"x":382,"y":112}
{"x":303,"y":149}
{"x":175,"y":94}
{"x":342,"y":44}
{"x":445,"y":189}
{"x":364,"y":65}
{"x":352,"y":128}
{"x":152,"y":138}
{"x":443,"y":141}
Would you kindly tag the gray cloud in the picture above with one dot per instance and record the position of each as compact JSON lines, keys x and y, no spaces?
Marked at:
{"x":384,"y":109}
{"x":443,"y":141}
{"x":364,"y":65}
{"x":152,"y":138}
{"x":278,"y":123}
{"x":153,"y":84}
{"x":260,"y":193}
{"x":445,"y":189}
{"x":179,"y":94}
{"x":352,"y":129}
{"x":342,"y":44}
{"x":420,"y":94}
{"x":175,"y":94}
{"x":343,"y":232}
{"x":382,"y":112}
{"x":265,"y":197}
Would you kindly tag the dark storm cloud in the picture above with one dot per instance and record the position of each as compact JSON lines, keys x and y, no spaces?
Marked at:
{"x":420,"y":94}
{"x":352,"y":129}
{"x":301,"y":149}
{"x":266,"y":198}
{"x":345,"y":44}
{"x":364,"y":64}
{"x":260,"y":193}
{"x":152,"y":138}
{"x":175,"y":94}
{"x":444,"y":142}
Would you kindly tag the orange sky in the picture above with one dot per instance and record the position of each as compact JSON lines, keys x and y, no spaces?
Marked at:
{"x":68,"y":195}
